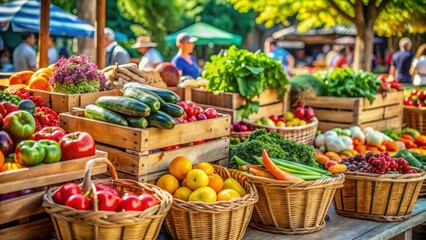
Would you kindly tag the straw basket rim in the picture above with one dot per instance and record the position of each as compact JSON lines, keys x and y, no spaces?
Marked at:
{"x":415,"y":108}
{"x":221,"y":206}
{"x":414,"y":177}
{"x":337,"y":179}
{"x":309,"y":125}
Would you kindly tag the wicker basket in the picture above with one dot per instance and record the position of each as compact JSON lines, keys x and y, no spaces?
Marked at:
{"x":220,"y":220}
{"x":415,"y":117}
{"x":301,"y":134}
{"x":293,"y":208}
{"x":241,"y":135}
{"x":383,"y":198}
{"x":78,"y":224}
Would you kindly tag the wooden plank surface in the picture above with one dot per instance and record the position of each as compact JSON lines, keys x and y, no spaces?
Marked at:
{"x":371,"y":115}
{"x":338,"y":227}
{"x":334,"y":116}
{"x":380,"y":101}
{"x":34,"y":230}
{"x":394,"y":110}
{"x":21,"y":207}
{"x":158,"y":161}
{"x":332,"y":102}
{"x":12,"y":178}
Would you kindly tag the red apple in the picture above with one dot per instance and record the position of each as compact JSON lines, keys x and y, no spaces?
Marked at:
{"x":210,"y":113}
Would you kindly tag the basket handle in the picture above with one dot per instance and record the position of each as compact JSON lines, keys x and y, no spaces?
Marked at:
{"x":87,"y":182}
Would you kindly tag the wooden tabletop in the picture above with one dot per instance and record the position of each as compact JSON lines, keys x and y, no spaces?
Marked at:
{"x":339,"y":227}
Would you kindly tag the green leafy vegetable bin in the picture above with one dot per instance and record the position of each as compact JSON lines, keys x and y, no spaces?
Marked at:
{"x":246,"y":73}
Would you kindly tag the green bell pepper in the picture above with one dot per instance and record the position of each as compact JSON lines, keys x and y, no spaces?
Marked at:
{"x":413,"y":132}
{"x":406,"y":154}
{"x":29,"y":153}
{"x":53,"y":151}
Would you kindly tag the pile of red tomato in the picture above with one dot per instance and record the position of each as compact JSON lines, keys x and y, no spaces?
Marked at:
{"x":109,"y":199}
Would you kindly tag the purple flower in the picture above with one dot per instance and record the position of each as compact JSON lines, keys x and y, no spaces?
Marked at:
{"x":76,"y":69}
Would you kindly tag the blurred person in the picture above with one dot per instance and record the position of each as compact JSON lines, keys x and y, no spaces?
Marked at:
{"x":25,"y":56}
{"x":302,"y":60}
{"x":329,"y":58}
{"x":324,"y":50}
{"x":280,"y":54}
{"x":184,"y":61}
{"x":401,"y":62}
{"x":151,"y":57}
{"x":114,"y":52}
{"x":52,"y":53}
{"x":340,"y":60}
{"x":418,"y":68}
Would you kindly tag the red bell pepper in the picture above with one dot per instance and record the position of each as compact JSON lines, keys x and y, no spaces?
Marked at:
{"x":107,"y":201}
{"x":420,"y":140}
{"x":130,"y":202}
{"x":407,"y":136}
{"x":77,"y":145}
{"x":51,"y":133}
{"x":78,"y":202}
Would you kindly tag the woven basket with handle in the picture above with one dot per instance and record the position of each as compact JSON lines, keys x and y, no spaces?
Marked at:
{"x":293,"y":208}
{"x":301,"y":134}
{"x":93,"y":224}
{"x":384,"y":198}
{"x":415,"y":117}
{"x":225,"y":220}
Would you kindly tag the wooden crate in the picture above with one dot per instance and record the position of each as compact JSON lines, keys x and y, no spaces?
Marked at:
{"x":16,"y":213}
{"x":144,"y":140}
{"x":184,"y":93}
{"x":142,"y":164}
{"x":335,"y":112}
{"x":153,"y":177}
{"x":60,"y":102}
{"x":228,"y":103}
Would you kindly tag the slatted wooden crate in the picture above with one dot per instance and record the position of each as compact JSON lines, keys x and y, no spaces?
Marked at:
{"x":141,"y":165}
{"x":22,"y":217}
{"x":334,"y":112}
{"x":144,"y":140}
{"x":228,"y":103}
{"x":60,"y":102}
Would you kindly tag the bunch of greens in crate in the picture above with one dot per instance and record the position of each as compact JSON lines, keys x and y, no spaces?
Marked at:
{"x":345,"y":82}
{"x":246,"y":73}
{"x":76,"y":75}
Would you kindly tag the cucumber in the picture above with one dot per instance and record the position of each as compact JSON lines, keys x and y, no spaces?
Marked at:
{"x":162,"y":102}
{"x":161,"y":120}
{"x":165,"y":94}
{"x":173,"y":110}
{"x":138,"y":122}
{"x":102,"y":114}
{"x":144,"y":97}
{"x":125,"y":105}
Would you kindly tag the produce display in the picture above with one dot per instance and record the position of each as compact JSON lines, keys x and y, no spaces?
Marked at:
{"x":345,"y":82}
{"x":192,"y":112}
{"x":280,"y":169}
{"x":415,"y":98}
{"x":246,"y":73}
{"x":7,"y":97}
{"x":199,"y":183}
{"x":276,"y":146}
{"x":140,"y":106}
{"x":34,"y":80}
{"x":108,"y":199}
{"x":305,"y":86}
{"x":378,"y":163}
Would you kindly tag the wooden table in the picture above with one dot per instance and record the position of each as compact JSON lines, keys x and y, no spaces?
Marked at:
{"x":339,"y":228}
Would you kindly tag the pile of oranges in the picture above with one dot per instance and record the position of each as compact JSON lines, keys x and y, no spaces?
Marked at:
{"x":198,"y":183}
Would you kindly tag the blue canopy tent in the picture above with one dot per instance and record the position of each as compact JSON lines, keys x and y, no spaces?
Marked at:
{"x":24,"y":15}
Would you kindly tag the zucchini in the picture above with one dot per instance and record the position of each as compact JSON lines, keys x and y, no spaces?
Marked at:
{"x":165,"y":94}
{"x":144,"y":97}
{"x":162,"y":102}
{"x":102,"y":114}
{"x":173,"y":110}
{"x":125,"y":105}
{"x":138,"y":122}
{"x":161,"y":120}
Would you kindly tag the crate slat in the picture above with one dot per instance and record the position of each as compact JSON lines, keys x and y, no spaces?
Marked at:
{"x":330,"y":115}
{"x":34,"y":230}
{"x":158,"y":161}
{"x":142,"y":140}
{"x":21,"y":207}
{"x":48,"y":174}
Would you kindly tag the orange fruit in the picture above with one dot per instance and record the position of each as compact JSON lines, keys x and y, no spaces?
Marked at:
{"x":180,"y":167}
{"x":206,"y":167}
{"x":182,"y":193}
{"x":184,"y":183}
{"x":10,"y":167}
{"x":215,"y":182}
{"x":227,"y":194}
{"x":1,"y":158}
{"x":168,"y":182}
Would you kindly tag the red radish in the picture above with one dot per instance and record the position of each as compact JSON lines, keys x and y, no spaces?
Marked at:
{"x":236,"y":126}
{"x":300,"y":111}
{"x":198,"y":110}
{"x":191,"y":108}
{"x":309,"y":113}
{"x":201,"y":117}
{"x":183,"y":105}
{"x":192,"y":119}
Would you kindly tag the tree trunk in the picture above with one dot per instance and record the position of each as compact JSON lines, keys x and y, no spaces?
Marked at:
{"x":86,"y":11}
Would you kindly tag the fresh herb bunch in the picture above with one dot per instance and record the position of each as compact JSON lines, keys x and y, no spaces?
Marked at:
{"x":345,"y":82}
{"x":77,"y":75}
{"x":246,"y":73}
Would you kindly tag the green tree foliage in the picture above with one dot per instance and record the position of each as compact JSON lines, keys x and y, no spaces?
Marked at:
{"x":386,"y":17}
